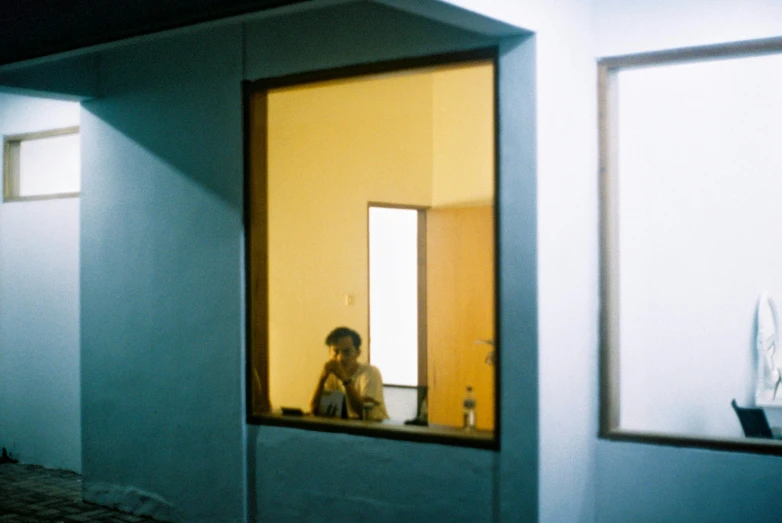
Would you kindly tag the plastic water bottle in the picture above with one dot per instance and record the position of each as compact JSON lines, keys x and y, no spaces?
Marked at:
{"x":423,"y":413}
{"x":469,"y":410}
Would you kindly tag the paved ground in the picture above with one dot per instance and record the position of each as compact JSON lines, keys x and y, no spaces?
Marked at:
{"x":33,"y":494}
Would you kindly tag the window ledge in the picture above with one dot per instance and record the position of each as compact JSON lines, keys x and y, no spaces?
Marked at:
{"x":35,"y":198}
{"x":440,"y":434}
{"x":748,"y":445}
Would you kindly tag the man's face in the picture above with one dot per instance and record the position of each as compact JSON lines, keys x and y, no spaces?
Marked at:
{"x":345,"y":353}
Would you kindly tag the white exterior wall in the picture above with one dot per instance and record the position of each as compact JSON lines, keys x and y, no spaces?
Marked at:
{"x":40,"y":419}
{"x":657,"y":483}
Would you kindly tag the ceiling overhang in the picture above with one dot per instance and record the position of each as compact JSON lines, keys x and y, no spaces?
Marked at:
{"x":37,"y":28}
{"x":285,"y":36}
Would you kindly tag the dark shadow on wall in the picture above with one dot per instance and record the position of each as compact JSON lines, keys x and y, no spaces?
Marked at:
{"x":178,"y":98}
{"x":161,"y":282}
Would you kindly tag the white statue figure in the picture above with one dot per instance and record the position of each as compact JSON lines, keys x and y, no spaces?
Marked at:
{"x":768,"y":390}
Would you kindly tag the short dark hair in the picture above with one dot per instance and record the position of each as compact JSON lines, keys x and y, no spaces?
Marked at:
{"x":339,"y":333}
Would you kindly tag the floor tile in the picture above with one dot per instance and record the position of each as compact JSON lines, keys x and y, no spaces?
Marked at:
{"x":33,"y":494}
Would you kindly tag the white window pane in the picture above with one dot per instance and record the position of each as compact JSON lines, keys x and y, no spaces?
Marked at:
{"x":699,"y":185}
{"x":393,"y":293}
{"x":50,"y":165}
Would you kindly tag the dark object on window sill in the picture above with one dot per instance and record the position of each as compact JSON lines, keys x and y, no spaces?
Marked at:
{"x":417,"y":421}
{"x":753,"y":421}
{"x":292,"y":411}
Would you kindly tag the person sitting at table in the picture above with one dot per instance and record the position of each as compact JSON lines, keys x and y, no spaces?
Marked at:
{"x":361,"y":383}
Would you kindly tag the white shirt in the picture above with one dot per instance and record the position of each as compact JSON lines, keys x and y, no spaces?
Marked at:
{"x":369,"y":385}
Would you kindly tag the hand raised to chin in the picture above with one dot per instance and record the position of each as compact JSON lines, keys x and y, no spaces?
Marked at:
{"x":333,"y":367}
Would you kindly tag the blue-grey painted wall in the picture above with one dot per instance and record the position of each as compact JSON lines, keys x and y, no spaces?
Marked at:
{"x":138,"y":430}
{"x":296,"y":473}
{"x":162,"y":298}
{"x":40,"y":421}
{"x":162,"y":291}
{"x":162,"y":281}
{"x":162,"y":304}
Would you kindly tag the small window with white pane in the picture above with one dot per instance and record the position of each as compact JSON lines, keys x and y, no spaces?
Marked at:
{"x":42,"y":165}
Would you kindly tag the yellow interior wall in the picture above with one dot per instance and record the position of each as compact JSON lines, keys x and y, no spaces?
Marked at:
{"x":463,"y":136}
{"x":333,"y":147}
{"x":414,"y":139}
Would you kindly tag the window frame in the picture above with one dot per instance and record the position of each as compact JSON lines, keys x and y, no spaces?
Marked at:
{"x":609,"y":353}
{"x":256,"y":259}
{"x":12,"y":168}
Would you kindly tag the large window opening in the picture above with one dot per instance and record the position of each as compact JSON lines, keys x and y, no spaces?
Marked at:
{"x":691,"y":258}
{"x":413,"y":275}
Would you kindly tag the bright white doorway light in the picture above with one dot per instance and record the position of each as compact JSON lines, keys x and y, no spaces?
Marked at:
{"x":393,"y":293}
